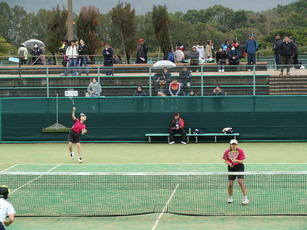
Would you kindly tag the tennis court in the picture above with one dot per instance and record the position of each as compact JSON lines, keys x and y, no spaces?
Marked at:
{"x":152,"y":159}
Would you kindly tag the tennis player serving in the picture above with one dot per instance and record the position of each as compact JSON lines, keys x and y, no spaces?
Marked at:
{"x":76,"y":131}
{"x":234,"y":158}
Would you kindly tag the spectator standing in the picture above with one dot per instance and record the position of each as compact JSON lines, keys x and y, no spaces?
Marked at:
{"x":140,"y":53}
{"x":108,"y":57}
{"x":201,"y":50}
{"x":187,"y":51}
{"x":251,"y":47}
{"x":295,"y":55}
{"x":23,"y":54}
{"x":242,"y":50}
{"x":177,"y":127}
{"x":208,"y":50}
{"x":287,"y":49}
{"x":221,"y":57}
{"x":62,"y":51}
{"x":72,"y":55}
{"x":139,"y":91}
{"x":83,"y":55}
{"x":276,"y":48}
{"x":226,"y":45}
{"x":36,"y":55}
{"x":93,"y":89}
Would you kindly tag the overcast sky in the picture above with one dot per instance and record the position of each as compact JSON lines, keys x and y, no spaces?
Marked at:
{"x":143,"y":6}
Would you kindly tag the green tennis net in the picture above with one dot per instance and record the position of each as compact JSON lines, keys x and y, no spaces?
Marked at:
{"x":113,"y":194}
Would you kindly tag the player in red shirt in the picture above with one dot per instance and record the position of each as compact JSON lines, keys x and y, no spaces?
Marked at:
{"x":234,"y":158}
{"x":76,"y":131}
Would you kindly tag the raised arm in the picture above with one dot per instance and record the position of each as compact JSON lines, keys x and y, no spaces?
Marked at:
{"x":73,"y":113}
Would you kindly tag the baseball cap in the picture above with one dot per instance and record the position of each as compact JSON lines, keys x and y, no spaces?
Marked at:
{"x":233,"y":141}
{"x":251,"y":35}
{"x":82,"y":114}
{"x":277,"y":34}
{"x":176,"y":114}
{"x":141,"y":40}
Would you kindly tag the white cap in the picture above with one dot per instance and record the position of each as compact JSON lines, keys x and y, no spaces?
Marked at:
{"x":82,"y":114}
{"x":233,"y":141}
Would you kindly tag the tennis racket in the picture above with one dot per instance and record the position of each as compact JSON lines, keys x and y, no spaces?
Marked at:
{"x":71,"y":97}
{"x":232,"y":155}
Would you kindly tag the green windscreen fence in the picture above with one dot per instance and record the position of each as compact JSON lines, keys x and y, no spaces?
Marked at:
{"x":130,"y":118}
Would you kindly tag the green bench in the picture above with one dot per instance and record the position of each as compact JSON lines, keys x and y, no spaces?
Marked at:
{"x":215,"y":135}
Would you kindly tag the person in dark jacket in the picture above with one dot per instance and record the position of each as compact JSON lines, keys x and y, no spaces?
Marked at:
{"x":185,"y":76}
{"x":221,"y":57}
{"x":242,"y":50}
{"x":36,"y":55}
{"x":177,"y":127}
{"x":82,"y":58}
{"x":139,"y":91}
{"x":287,"y":50}
{"x":251,"y":47}
{"x":277,"y":51}
{"x":194,"y":55}
{"x":140,"y":53}
{"x":108,"y":57}
{"x":233,"y":56}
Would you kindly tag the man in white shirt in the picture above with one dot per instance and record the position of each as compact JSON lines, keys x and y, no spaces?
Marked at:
{"x":72,"y":55}
{"x":6,"y":209}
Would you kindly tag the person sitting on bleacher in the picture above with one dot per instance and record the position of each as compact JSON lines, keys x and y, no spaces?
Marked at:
{"x":175,"y":88}
{"x":162,"y":88}
{"x":177,"y":127}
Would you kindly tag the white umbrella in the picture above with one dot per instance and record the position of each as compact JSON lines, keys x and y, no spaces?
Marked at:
{"x":30,"y":43}
{"x":163,"y":64}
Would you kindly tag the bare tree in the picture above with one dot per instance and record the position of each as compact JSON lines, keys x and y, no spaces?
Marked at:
{"x":123,"y":19}
{"x":161,"y":24}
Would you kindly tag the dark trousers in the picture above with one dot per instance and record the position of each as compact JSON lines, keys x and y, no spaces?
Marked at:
{"x":286,"y":62}
{"x":251,"y":58}
{"x":177,"y":131}
{"x":1,"y":226}
{"x":277,"y":60}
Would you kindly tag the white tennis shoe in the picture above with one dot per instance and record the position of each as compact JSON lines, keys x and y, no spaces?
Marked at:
{"x":229,"y":200}
{"x":72,"y":155}
{"x":172,"y":142}
{"x":245,"y":201}
{"x":183,"y":142}
{"x":80,"y":159}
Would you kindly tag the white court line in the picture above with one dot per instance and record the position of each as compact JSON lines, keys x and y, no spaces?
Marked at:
{"x":15,"y":190}
{"x":9,"y":168}
{"x":165,"y":207}
{"x":93,"y":164}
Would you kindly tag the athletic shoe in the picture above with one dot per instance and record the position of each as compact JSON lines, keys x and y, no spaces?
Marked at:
{"x":72,"y":155}
{"x":220,"y":70}
{"x":223,"y":70}
{"x":183,"y":142}
{"x":172,"y":142}
{"x":80,"y":159}
{"x":245,"y":201}
{"x":229,"y":200}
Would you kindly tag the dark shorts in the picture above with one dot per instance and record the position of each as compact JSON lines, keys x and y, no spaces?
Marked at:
{"x":236,"y":168}
{"x":1,"y":226}
{"x":74,"y":137}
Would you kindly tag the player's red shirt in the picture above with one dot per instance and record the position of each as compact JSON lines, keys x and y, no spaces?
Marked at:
{"x":240,"y":157}
{"x":78,"y":126}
